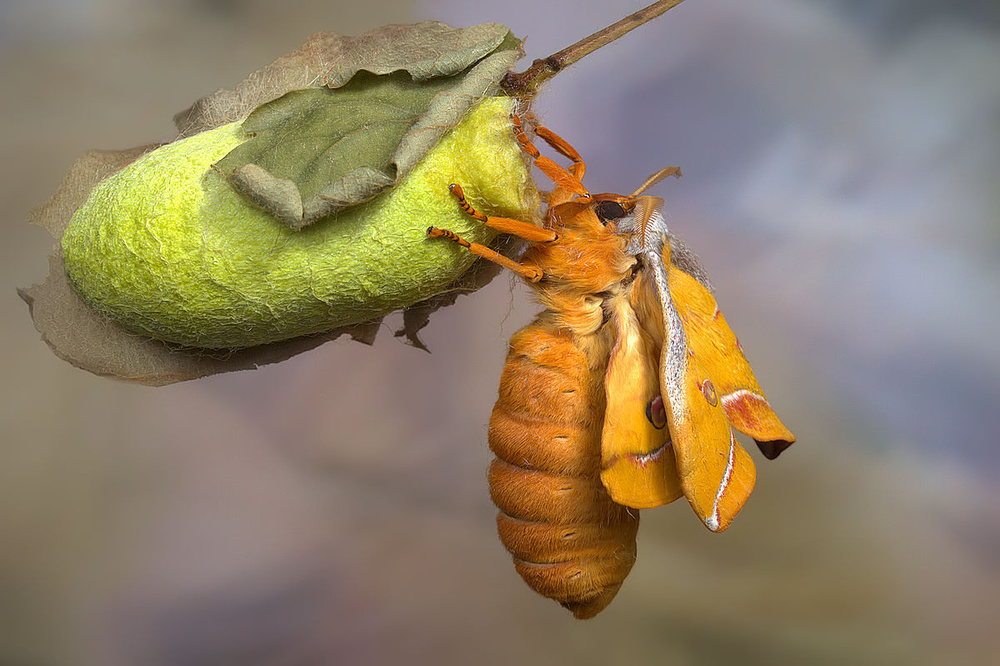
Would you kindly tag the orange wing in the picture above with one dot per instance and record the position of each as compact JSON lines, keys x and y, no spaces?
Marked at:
{"x":637,"y":460}
{"x":717,"y":474}
{"x":712,"y":342}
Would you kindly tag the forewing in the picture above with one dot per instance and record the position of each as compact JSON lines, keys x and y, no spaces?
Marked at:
{"x":716,"y":473}
{"x":716,"y":347}
{"x":637,"y":460}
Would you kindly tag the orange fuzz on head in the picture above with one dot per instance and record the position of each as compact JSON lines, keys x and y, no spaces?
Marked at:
{"x":622,"y":395}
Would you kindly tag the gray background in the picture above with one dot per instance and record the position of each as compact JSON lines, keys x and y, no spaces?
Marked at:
{"x":841,"y":164}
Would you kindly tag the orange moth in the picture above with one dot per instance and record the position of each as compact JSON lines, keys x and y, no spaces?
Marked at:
{"x":623,"y":394}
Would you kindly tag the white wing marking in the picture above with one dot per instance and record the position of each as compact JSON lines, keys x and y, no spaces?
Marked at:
{"x":713,"y":521}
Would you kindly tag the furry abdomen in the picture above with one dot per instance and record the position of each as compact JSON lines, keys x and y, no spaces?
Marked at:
{"x":570,"y":542}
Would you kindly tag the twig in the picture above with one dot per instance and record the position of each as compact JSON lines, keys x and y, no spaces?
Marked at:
{"x":527,"y":82}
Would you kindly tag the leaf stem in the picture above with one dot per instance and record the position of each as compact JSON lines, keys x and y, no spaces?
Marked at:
{"x":526,"y":83}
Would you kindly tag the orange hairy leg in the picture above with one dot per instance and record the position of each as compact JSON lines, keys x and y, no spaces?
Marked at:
{"x":526,"y":272}
{"x":568,"y":181}
{"x":525,"y":230}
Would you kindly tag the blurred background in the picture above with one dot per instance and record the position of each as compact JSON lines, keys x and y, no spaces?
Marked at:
{"x":841,"y":168}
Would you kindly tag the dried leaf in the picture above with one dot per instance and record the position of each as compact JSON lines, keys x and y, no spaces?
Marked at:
{"x":331,"y":60}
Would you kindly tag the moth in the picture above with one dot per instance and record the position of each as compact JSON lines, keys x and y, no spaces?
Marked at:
{"x":622,"y":395}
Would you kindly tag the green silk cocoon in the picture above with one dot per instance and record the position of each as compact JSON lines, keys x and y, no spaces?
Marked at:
{"x":168,"y":249}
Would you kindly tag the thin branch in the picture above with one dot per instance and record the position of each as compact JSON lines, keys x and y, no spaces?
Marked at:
{"x":527,"y":82}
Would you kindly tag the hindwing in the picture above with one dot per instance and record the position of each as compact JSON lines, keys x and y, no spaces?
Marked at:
{"x":637,"y":461}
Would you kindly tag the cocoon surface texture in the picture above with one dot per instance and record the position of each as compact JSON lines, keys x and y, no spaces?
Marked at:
{"x":168,"y":249}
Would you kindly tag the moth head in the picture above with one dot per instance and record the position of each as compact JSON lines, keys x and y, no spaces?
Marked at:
{"x":614,"y":207}
{"x":636,"y":216}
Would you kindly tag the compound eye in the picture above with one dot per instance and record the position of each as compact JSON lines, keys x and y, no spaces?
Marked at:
{"x":609,"y":210}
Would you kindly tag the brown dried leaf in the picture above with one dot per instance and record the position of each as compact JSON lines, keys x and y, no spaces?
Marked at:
{"x":331,"y":60}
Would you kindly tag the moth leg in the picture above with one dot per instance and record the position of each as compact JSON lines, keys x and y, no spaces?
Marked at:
{"x":525,"y":230}
{"x":579,"y":167}
{"x":567,"y":180}
{"x":532,"y":274}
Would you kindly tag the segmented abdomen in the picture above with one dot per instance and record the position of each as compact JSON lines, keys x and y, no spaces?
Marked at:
{"x":569,"y":540}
